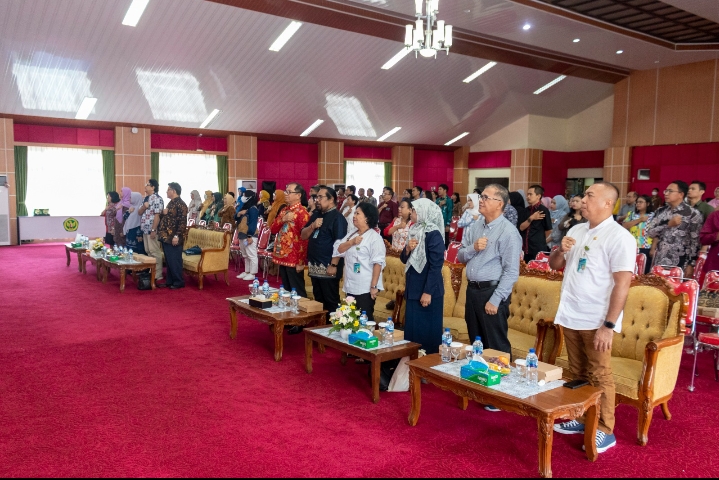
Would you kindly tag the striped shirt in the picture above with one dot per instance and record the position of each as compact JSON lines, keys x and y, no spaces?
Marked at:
{"x":499,"y":261}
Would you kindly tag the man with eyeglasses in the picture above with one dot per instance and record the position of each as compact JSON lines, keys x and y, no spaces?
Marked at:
{"x":290,"y":250}
{"x":675,"y":230}
{"x":325,"y":226}
{"x":537,"y":227}
{"x":149,"y":213}
{"x":388,"y":211}
{"x":491,"y":248}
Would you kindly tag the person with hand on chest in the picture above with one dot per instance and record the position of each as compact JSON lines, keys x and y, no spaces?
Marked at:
{"x":598,"y":258}
{"x":324,"y":228}
{"x":537,"y":226}
{"x":290,"y":251}
{"x":388,"y":210}
{"x":171,"y":233}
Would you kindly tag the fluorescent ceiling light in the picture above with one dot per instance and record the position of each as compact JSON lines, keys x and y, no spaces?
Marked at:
{"x":479,"y":72}
{"x":86,"y":108}
{"x":391,"y":132}
{"x":311,"y":128}
{"x":392,"y":61}
{"x":137,"y":7}
{"x":619,"y":52}
{"x":349,"y":116}
{"x":458,"y":137}
{"x":526,"y":26}
{"x":576,"y":40}
{"x":285,"y":36}
{"x":173,"y":96}
{"x":210,"y":118}
{"x":51,"y":89}
{"x":553,"y":82}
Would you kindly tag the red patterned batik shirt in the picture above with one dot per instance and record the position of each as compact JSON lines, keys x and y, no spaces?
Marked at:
{"x":290,"y":250}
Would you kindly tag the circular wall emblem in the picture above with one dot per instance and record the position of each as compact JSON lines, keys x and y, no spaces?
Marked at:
{"x":70,"y":225}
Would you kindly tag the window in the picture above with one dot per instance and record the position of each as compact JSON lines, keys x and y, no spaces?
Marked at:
{"x":68,"y":181}
{"x":366,"y":175}
{"x":191,"y":170}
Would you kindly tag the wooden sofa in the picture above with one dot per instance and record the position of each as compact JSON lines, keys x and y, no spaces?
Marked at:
{"x":215,"y":256}
{"x":647,"y":353}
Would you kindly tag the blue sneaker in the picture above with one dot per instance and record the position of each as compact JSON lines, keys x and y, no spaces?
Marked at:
{"x":603,"y":441}
{"x":569,"y":428}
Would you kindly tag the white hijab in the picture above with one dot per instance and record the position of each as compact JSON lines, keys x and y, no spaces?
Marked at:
{"x":429,"y":219}
{"x":475,"y":204}
{"x":133,"y":220}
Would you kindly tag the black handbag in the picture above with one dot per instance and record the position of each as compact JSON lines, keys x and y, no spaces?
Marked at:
{"x":143,"y":281}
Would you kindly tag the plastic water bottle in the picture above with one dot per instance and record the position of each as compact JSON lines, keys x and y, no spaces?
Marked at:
{"x":282,"y":290}
{"x":477,"y":347}
{"x":532,"y":364}
{"x":363,"y":320}
{"x":389,"y":332}
{"x":447,"y":337}
{"x":129,"y":254}
{"x":255,"y":286}
{"x":266,"y":289}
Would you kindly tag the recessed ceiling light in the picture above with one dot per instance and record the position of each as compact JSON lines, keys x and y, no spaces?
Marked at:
{"x":526,"y":26}
{"x":210,"y":118}
{"x":137,"y":7}
{"x":349,"y":116}
{"x":285,"y":36}
{"x":391,"y":132}
{"x":479,"y":72}
{"x":619,"y":52}
{"x":173,"y":95}
{"x":458,"y":137}
{"x":311,"y":128}
{"x":553,"y":82}
{"x":576,"y":40}
{"x":392,"y":61}
{"x":86,"y":108}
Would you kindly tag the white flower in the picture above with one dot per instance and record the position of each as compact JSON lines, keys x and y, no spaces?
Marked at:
{"x":350,"y":300}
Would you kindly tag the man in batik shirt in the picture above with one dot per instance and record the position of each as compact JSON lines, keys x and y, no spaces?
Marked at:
{"x":675,"y":230}
{"x":171,"y":233}
{"x":290,"y":251}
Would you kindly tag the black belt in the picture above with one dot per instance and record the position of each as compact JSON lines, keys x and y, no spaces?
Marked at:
{"x":491,"y":283}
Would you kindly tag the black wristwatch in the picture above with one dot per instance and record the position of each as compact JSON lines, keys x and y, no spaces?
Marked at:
{"x":609,"y":325}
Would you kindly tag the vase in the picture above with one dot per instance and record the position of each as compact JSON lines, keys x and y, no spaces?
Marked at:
{"x":345,"y":333}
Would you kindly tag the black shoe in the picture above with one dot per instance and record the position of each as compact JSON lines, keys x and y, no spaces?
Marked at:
{"x":175,"y":287}
{"x":162,"y":285}
{"x":295,"y":330}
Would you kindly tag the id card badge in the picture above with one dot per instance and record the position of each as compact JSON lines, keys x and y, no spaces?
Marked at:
{"x":582,"y":264}
{"x":356,"y":267}
{"x":317,"y":232}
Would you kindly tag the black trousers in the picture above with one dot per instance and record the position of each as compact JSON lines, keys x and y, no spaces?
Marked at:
{"x":327,"y":292}
{"x":173,"y":259}
{"x":492,"y":328}
{"x":366,"y":303}
{"x":292,"y":279}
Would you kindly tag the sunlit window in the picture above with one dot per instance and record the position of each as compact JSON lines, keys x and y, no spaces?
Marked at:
{"x":191,"y":170}
{"x":366,"y":175}
{"x":68,"y":181}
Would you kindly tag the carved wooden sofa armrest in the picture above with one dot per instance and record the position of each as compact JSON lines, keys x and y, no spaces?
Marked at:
{"x":543,"y":325}
{"x":399,"y":300}
{"x":652,"y":364}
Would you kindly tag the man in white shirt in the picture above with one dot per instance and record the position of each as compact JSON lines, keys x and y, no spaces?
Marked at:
{"x":598,"y":258}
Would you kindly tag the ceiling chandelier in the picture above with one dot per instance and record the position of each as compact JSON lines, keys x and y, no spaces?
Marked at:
{"x":424,"y":37}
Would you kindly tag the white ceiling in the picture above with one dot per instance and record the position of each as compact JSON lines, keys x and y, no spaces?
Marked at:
{"x":188,"y":57}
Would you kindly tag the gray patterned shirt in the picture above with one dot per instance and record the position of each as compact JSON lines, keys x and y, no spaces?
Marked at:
{"x":677,"y":245}
{"x":499,"y":261}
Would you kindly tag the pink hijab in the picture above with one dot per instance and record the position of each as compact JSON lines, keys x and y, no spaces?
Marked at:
{"x":546,"y":201}
{"x":125,"y":201}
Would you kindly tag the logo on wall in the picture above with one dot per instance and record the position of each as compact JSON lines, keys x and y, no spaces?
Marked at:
{"x":70,"y":225}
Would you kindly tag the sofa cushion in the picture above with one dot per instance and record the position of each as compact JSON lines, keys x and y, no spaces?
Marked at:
{"x":533,"y":299}
{"x":645,"y":320}
{"x":190,"y":262}
{"x":521,"y":343}
{"x":625,"y":371}
{"x":458,"y":327}
{"x":205,"y":239}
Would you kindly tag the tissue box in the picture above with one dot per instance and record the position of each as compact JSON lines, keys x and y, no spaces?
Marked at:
{"x":398,"y":334}
{"x":486,"y":378}
{"x":260,"y":303}
{"x":548,"y":372}
{"x":307,"y":305}
{"x":363,"y":340}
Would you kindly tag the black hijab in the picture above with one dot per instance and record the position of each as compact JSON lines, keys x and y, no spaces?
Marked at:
{"x":517,"y":201}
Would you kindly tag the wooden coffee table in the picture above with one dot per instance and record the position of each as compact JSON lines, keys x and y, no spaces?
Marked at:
{"x":87,"y":257}
{"x":546,"y":407}
{"x":375,"y":356}
{"x":79,"y":251}
{"x":276,"y":321}
{"x":106,"y":265}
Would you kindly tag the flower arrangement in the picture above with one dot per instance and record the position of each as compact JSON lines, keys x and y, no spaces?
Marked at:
{"x":346,"y":317}
{"x":97,"y":244}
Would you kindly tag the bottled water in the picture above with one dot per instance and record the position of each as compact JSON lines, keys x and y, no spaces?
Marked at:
{"x":255,"y":286}
{"x":532,"y":363}
{"x":477,"y":347}
{"x":282,"y":290}
{"x":294,"y":292}
{"x":447,"y":337}
{"x":444,"y":349}
{"x":389,"y":332}
{"x":129,"y":254}
{"x":266,"y":289}
{"x":363,"y":319}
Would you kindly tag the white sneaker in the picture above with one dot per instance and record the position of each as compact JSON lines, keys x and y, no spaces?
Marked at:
{"x":248,"y":276}
{"x":243,"y":276}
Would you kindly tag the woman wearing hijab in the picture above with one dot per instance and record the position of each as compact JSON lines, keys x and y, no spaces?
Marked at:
{"x":471,"y":214}
{"x":227,"y":212}
{"x":133,"y":234}
{"x":213,"y":212}
{"x":277,"y":206}
{"x":517,"y":201}
{"x":110,"y":213}
{"x":122,"y":208}
{"x":263,"y":205}
{"x":558,"y":208}
{"x":524,"y":197}
{"x":206,"y":204}
{"x":195,"y":205}
{"x":424,"y":291}
{"x":247,"y":233}
{"x":546,"y":201}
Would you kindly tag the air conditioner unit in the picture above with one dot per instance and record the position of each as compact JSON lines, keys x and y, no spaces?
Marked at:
{"x":4,"y":212}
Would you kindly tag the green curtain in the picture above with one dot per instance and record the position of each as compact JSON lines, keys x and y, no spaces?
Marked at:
{"x":155,"y":165}
{"x":388,"y":174}
{"x":223,"y":174}
{"x":344,"y":177}
{"x":108,"y":170}
{"x":21,"y":180}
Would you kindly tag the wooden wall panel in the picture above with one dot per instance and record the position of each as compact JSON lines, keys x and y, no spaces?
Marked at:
{"x":526,"y":168}
{"x":132,"y":158}
{"x":331,"y":163}
{"x":461,"y":171}
{"x":642,"y":108}
{"x":241,"y":159}
{"x":7,"y":167}
{"x":402,"y":168}
{"x":619,"y":124}
{"x":617,"y":168}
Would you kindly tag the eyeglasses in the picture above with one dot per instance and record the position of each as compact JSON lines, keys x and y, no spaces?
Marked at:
{"x":287,"y":192}
{"x":484,"y":198}
{"x":667,"y":191}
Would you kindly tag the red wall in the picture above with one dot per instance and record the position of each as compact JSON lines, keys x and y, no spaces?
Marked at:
{"x":375,"y":153}
{"x":667,"y":163}
{"x":432,"y":168}
{"x":556,"y":164}
{"x":500,"y":159}
{"x":89,"y":137}
{"x":164,"y":141}
{"x":286,"y":162}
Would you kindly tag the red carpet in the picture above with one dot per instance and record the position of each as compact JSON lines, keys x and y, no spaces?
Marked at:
{"x":98,"y":383}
